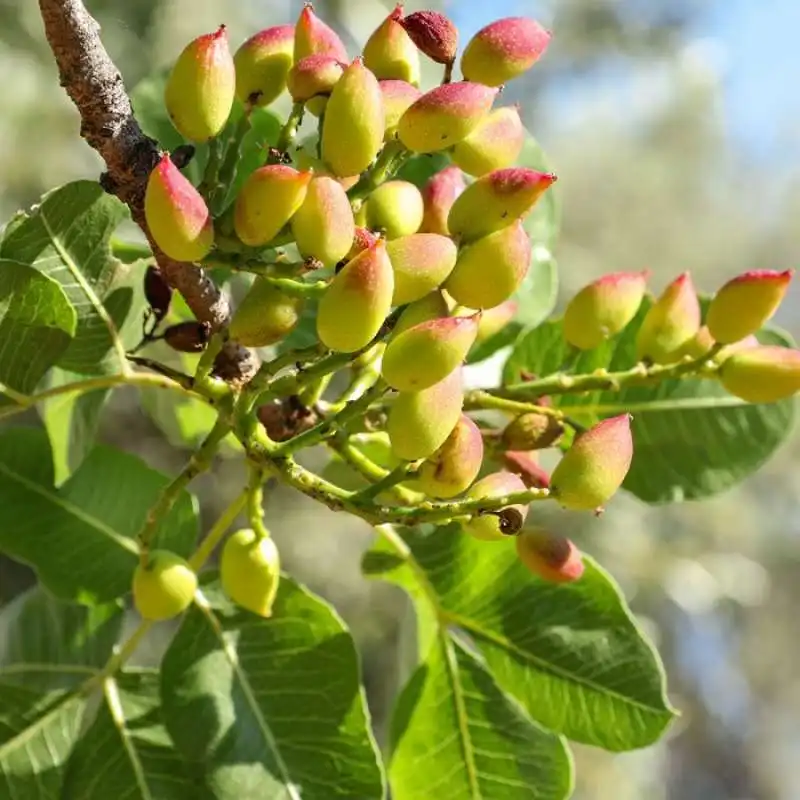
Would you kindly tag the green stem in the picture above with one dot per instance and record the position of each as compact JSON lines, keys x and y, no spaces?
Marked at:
{"x":206,"y":362}
{"x":389,"y":483}
{"x":208,"y":186}
{"x":385,"y":166}
{"x":119,"y":657}
{"x":255,"y":502}
{"x":480,"y":400}
{"x":312,"y":394}
{"x":296,"y":288}
{"x":227,"y":170}
{"x":217,"y":532}
{"x":289,"y":131}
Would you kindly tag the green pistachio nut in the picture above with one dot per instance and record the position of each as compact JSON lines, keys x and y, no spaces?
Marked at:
{"x":313,"y":37}
{"x":390,"y":53}
{"x":395,"y":208}
{"x":265,"y":316}
{"x":262,"y":65}
{"x":432,"y":306}
{"x":455,"y":465}
{"x":495,"y":143}
{"x":164,"y":586}
{"x":323,"y":226}
{"x":250,"y":571}
{"x":532,"y":431}
{"x":762,"y":374}
{"x":499,"y":525}
{"x":421,"y":262}
{"x":397,"y":97}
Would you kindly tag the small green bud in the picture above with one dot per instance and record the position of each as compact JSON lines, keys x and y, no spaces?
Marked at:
{"x":762,"y":374}
{"x":263,"y":63}
{"x":603,"y":308}
{"x":250,"y":570}
{"x":438,"y":196}
{"x":201,"y":87}
{"x":496,"y":526}
{"x":265,"y":316}
{"x":397,"y":97}
{"x":549,"y":556}
{"x":421,"y":263}
{"x":313,"y":37}
{"x":395,"y":208}
{"x":592,"y":470}
{"x":323,"y":226}
{"x":532,"y":431}
{"x":390,"y":53}
{"x":496,"y":142}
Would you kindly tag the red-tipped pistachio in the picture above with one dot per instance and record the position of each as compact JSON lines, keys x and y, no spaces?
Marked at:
{"x":532,"y":431}
{"x":267,"y":201}
{"x":549,"y":556}
{"x":250,"y":570}
{"x":421,"y":263}
{"x":495,"y":143}
{"x":603,"y":308}
{"x":176,"y":214}
{"x":503,"y":50}
{"x":420,"y":422}
{"x":525,"y":463}
{"x":497,"y":200}
{"x":425,"y":354}
{"x":390,"y":53}
{"x":490,"y":270}
{"x":314,"y":37}
{"x":432,"y":306}
{"x":323,"y":226}
{"x":497,"y":525}
{"x":670,"y":323}
{"x":744,"y":304}
{"x":397,"y":97}
{"x":434,"y":34}
{"x":201,"y":87}
{"x":357,"y":301}
{"x":395,"y":208}
{"x":438,"y":195}
{"x":313,"y":76}
{"x":592,"y":470}
{"x":265,"y":315}
{"x":262,"y":64}
{"x":762,"y":374}
{"x":444,"y":116}
{"x":455,"y":465}
{"x":352,"y":133}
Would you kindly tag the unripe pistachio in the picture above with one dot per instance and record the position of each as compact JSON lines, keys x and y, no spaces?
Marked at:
{"x":549,"y":556}
{"x":397,"y":97}
{"x":493,"y":320}
{"x":455,"y":465}
{"x":421,"y":263}
{"x":164,"y":586}
{"x":603,"y":308}
{"x":263,"y":63}
{"x":357,"y":301}
{"x":352,"y":132}
{"x":312,"y":76}
{"x":701,"y":343}
{"x":425,"y":354}
{"x":157,"y":292}
{"x":762,"y":374}
{"x":314,"y":37}
{"x":592,"y":470}
{"x":177,"y":216}
{"x":363,"y":239}
{"x":438,"y":195}
{"x":497,"y":200}
{"x":395,"y":208}
{"x":434,"y":34}
{"x":444,"y":116}
{"x":201,"y":87}
{"x":532,"y":431}
{"x":432,"y":306}
{"x":390,"y":53}
{"x":420,"y":422}
{"x":503,"y":50}
{"x":498,"y":525}
{"x":250,"y":571}
{"x":526,"y":464}
{"x":491,"y":269}
{"x":744,"y":304}
{"x":496,"y":142}
{"x":188,"y":337}
{"x":323,"y":226}
{"x":265,"y":316}
{"x":267,"y":201}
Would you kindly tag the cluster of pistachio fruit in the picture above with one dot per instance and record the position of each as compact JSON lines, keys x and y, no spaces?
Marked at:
{"x":439,"y":266}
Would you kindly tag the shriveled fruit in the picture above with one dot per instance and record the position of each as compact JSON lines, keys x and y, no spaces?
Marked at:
{"x":455,"y":465}
{"x":390,"y":53}
{"x":489,"y":270}
{"x":532,"y":431}
{"x":497,"y":525}
{"x":434,"y":34}
{"x":549,"y":556}
{"x":188,"y":337}
{"x":263,"y":63}
{"x":504,"y":50}
{"x":164,"y":586}
{"x":323,"y":226}
{"x":742,"y":306}
{"x":157,"y":292}
{"x":421,"y":263}
{"x":312,"y":36}
{"x":603,"y":308}
{"x":425,"y":354}
{"x":496,"y":142}
{"x":250,"y":571}
{"x":762,"y":374}
{"x":201,"y":87}
{"x":395,"y":208}
{"x":397,"y":97}
{"x":420,"y":422}
{"x":352,"y":132}
{"x":444,"y":116}
{"x":438,"y":195}
{"x":432,"y":306}
{"x":357,"y":301}
{"x":592,"y":470}
{"x":177,"y":216}
{"x":265,"y":315}
{"x":267,"y":201}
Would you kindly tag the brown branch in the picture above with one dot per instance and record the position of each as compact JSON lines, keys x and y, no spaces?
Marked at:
{"x":108,"y":124}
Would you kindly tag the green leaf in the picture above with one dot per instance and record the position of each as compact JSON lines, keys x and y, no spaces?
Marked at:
{"x":72,"y":421}
{"x":37,"y":733}
{"x":66,"y":238}
{"x":126,"y":752}
{"x":265,"y":129}
{"x":48,"y":644}
{"x":270,"y":708}
{"x":37,"y":324}
{"x":571,"y":653}
{"x":80,"y":537}
{"x":543,"y":223}
{"x":419,"y":169}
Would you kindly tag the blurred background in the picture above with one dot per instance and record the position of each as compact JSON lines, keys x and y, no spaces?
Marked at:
{"x":674,"y":128}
